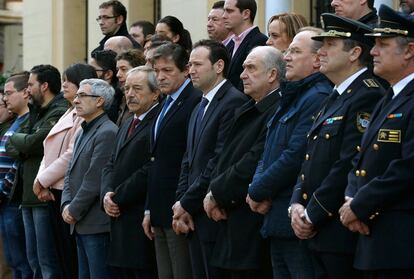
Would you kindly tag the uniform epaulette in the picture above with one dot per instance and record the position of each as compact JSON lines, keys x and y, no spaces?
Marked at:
{"x":369,"y":82}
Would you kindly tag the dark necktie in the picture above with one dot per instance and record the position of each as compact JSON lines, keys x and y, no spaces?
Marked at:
{"x":163,"y":111}
{"x":332,"y":98}
{"x":133,"y":126}
{"x":200,"y":114}
{"x":388,"y":97}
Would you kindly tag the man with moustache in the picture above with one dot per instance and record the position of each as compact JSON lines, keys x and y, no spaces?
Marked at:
{"x":207,"y":131}
{"x":333,"y":141}
{"x":124,"y":179}
{"x":379,"y":200}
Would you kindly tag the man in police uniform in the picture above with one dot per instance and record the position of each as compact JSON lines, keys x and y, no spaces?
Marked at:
{"x":379,"y":202}
{"x":333,"y":142}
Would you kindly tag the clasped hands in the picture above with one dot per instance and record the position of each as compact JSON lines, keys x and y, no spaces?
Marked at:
{"x":301,"y":226}
{"x":350,"y":220}
{"x":111,"y":208}
{"x":43,"y":194}
{"x":182,"y":221}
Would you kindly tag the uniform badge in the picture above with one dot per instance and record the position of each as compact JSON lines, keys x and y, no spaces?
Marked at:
{"x":371,"y":83}
{"x":332,"y":120}
{"x":387,"y":135}
{"x":394,"y":115}
{"x":362,"y":121}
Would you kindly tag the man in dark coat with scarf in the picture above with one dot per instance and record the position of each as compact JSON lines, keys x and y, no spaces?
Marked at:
{"x":276,"y":173}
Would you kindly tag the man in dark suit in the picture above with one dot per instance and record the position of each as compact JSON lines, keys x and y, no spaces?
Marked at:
{"x":167,"y":147}
{"x":332,"y":144}
{"x":82,"y":184}
{"x":379,"y":196}
{"x":276,"y":173}
{"x":363,"y":11}
{"x":239,"y":248}
{"x":238,"y":18}
{"x":124,"y":179}
{"x":208,"y":128}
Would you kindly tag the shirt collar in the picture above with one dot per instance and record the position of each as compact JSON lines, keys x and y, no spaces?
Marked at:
{"x":210,"y":95}
{"x":242,"y":35}
{"x":399,"y":86}
{"x":142,"y":116}
{"x":87,"y":126}
{"x":346,"y":83}
{"x":177,"y":93}
{"x":227,"y":40}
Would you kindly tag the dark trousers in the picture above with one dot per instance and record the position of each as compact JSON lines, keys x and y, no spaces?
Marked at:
{"x":290,"y":259}
{"x":249,"y":274}
{"x":65,"y":242}
{"x":130,"y":273}
{"x":334,"y":265}
{"x":200,"y":254}
{"x":388,"y":274}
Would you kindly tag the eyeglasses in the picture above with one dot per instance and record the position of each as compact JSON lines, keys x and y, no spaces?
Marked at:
{"x":8,"y":93}
{"x":83,"y":94}
{"x":105,"y":18}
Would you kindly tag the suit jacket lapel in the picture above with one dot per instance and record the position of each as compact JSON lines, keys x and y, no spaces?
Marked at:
{"x":331,"y":111}
{"x":210,"y":111}
{"x":243,"y":45}
{"x":85,"y":140}
{"x":376,"y":123}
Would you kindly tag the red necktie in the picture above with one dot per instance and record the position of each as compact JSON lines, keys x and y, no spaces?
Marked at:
{"x":133,"y":126}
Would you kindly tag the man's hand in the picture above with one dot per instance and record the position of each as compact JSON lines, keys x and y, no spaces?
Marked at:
{"x":148,"y":229}
{"x":212,"y":209}
{"x":67,"y":217}
{"x":183,"y":224}
{"x":37,"y":187}
{"x":350,"y":220}
{"x":259,"y":207}
{"x":346,"y":214}
{"x":178,"y":210}
{"x":302,"y":228}
{"x":111,"y":208}
{"x":45,"y":195}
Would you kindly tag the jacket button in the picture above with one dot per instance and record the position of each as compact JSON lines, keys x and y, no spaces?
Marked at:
{"x":327,"y":136}
{"x":307,"y":157}
{"x":302,"y":177}
{"x":315,"y":137}
{"x":233,"y":202}
{"x":305,"y":196}
{"x":152,"y":159}
{"x":357,"y":172}
{"x":375,"y":146}
{"x":358,"y":148}
{"x":363,"y":173}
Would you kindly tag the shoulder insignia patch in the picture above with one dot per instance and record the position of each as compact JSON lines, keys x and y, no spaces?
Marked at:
{"x":370,"y":83}
{"x":362,"y":121}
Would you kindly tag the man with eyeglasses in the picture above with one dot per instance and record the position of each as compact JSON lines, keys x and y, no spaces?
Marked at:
{"x":15,"y":99}
{"x":81,"y":191}
{"x":112,"y":22}
{"x":276,"y":173}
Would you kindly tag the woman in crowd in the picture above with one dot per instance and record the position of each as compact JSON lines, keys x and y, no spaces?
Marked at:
{"x":58,"y":146}
{"x":282,"y":28}
{"x":173,"y":28}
